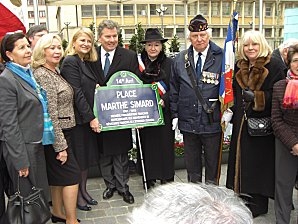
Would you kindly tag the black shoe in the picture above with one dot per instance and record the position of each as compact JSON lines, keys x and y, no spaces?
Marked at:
{"x":127,"y":197}
{"x":84,"y":207}
{"x":108,"y":193}
{"x":91,"y":201}
{"x":58,"y":219}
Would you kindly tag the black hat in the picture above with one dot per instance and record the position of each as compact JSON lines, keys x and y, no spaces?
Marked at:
{"x":198,"y":24}
{"x":153,"y":34}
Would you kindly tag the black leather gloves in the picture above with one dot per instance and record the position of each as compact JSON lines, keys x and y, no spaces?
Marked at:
{"x":248,"y":95}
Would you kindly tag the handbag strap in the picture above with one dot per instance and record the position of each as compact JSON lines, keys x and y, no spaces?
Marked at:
{"x":190,"y":73}
{"x":18,"y":186}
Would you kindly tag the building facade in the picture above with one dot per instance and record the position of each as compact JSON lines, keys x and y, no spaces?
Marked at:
{"x":172,"y":16}
{"x":39,"y":7}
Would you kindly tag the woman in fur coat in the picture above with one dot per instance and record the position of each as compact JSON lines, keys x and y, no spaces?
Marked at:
{"x":251,"y":160}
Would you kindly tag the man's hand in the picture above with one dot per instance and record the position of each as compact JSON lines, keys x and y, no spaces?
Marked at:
{"x":95,"y":125}
{"x":174,"y":123}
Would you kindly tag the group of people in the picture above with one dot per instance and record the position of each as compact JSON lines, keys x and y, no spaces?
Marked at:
{"x":48,"y":127}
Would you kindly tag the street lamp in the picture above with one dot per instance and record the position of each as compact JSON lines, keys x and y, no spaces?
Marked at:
{"x":67,"y":24}
{"x":161,"y":12}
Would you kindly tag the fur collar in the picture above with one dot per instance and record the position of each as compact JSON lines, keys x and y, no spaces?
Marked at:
{"x":253,"y":78}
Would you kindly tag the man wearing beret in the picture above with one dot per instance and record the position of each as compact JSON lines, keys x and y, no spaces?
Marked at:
{"x":194,"y":91}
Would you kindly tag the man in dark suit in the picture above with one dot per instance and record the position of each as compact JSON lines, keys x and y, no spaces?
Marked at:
{"x":114,"y":145}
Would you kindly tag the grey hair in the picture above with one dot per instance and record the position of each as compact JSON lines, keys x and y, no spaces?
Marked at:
{"x":186,"y":203}
{"x":110,"y":24}
{"x":287,"y":43}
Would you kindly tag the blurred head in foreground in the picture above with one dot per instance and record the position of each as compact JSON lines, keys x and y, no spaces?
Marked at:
{"x":186,"y":203}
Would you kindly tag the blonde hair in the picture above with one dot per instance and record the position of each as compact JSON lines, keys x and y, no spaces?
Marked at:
{"x":256,"y":37}
{"x":38,"y":56}
{"x":70,"y":50}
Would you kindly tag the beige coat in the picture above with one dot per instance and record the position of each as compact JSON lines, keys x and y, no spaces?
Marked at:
{"x":60,"y":103}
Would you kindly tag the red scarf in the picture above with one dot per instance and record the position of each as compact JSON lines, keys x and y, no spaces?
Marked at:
{"x":290,"y":100}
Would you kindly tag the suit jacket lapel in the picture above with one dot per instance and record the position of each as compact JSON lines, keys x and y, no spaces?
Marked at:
{"x":115,"y":62}
{"x":26,"y":85}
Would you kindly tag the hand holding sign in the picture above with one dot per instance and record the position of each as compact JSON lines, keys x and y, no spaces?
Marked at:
{"x":95,"y":125}
{"x":127,"y":103}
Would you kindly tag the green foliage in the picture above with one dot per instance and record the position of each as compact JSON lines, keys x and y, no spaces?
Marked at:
{"x":134,"y":43}
{"x":64,"y":44}
{"x":132,"y":154}
{"x":92,"y":27}
{"x":120,"y":40}
{"x":175,"y":44}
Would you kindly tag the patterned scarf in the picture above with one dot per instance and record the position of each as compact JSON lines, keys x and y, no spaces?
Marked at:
{"x":25,"y":73}
{"x":290,"y":100}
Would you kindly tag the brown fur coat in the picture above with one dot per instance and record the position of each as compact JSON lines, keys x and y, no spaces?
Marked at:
{"x":253,"y":79}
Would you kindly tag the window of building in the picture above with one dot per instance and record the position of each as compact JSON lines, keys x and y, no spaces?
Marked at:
{"x":115,"y":10}
{"x":30,"y":14}
{"x":169,"y":9}
{"x":215,"y":32}
{"x":41,"y":2}
{"x":87,"y":11}
{"x":42,"y":14}
{"x":192,"y":9}
{"x":215,"y":9}
{"x":288,"y":5}
{"x":179,"y":10}
{"x":268,"y":32}
{"x":224,"y":32}
{"x":257,"y":9}
{"x":226,"y":8}
{"x":142,"y":10}
{"x":153,"y":8}
{"x":248,"y":8}
{"x":31,"y":24}
{"x":204,"y":8}
{"x":29,"y":2}
{"x":168,"y":32}
{"x":43,"y":24}
{"x":101,"y":10}
{"x":180,"y":32}
{"x":238,"y":7}
{"x":128,"y":10}
{"x":129,"y":33}
{"x":268,"y":9}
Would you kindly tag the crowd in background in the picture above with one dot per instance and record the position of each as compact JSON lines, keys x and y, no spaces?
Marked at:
{"x":50,"y":136}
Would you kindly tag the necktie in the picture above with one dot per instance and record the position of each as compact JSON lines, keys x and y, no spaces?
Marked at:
{"x":107,"y":64}
{"x":199,"y":66}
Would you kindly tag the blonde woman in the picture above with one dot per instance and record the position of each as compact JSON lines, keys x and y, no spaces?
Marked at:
{"x":62,"y":167}
{"x":251,"y":158}
{"x":75,"y":69}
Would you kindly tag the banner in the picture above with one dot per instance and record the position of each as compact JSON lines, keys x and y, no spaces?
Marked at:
{"x":12,"y":17}
{"x":127,"y":103}
{"x":225,"y":90}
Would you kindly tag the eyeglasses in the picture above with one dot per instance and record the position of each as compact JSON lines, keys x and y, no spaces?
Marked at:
{"x":39,"y":35}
